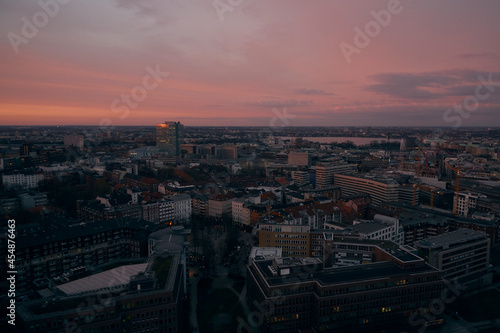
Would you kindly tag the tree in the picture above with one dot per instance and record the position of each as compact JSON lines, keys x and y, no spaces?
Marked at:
{"x":231,"y":240}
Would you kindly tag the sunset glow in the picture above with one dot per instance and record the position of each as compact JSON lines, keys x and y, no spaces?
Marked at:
{"x":262,"y":55}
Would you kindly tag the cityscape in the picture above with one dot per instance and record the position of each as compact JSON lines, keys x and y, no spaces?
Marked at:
{"x":250,"y":166}
{"x":251,"y":229}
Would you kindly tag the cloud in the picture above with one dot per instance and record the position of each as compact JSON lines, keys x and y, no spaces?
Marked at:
{"x":427,"y":85}
{"x":149,"y":9}
{"x":479,"y":55}
{"x":304,"y":91}
{"x":409,"y":86}
{"x":280,"y":103}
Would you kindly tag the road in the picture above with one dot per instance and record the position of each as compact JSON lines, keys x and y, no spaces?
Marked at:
{"x":221,"y":272}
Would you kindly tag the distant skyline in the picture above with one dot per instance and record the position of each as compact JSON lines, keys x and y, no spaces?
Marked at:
{"x":241,"y":64}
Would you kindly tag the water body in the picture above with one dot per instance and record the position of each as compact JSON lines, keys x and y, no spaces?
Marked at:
{"x":338,"y":139}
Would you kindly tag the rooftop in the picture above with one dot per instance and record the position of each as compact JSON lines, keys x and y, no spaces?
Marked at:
{"x":110,"y":279}
{"x":170,"y":239}
{"x":339,"y":275}
{"x":369,"y":227}
{"x":457,"y":237}
{"x":261,"y":253}
{"x":59,"y":230}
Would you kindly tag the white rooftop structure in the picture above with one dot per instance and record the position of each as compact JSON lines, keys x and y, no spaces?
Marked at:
{"x":264,"y":253}
{"x":114,"y":279}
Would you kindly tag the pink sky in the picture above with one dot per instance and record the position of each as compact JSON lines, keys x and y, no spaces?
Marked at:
{"x":262,"y":55}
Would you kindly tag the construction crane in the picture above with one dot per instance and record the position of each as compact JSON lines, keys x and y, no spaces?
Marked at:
{"x":457,"y":186}
{"x":418,"y":162}
{"x":418,"y":159}
{"x":431,"y":192}
{"x":425,"y":188}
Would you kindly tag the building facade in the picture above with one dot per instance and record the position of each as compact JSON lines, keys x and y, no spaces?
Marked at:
{"x":325,"y":173}
{"x":299,"y":158}
{"x":459,"y":254}
{"x":22,"y":181}
{"x":379,"y":189}
{"x":170,"y":137}
{"x":466,"y":203}
{"x":65,"y":248}
{"x":151,"y":302}
{"x":296,"y":294}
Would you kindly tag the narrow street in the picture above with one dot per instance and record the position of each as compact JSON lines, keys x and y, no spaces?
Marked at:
{"x":225,"y":278}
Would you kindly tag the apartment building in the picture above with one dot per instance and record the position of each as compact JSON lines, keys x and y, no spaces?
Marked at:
{"x":220,"y":205}
{"x":182,"y":208}
{"x":22,"y":181}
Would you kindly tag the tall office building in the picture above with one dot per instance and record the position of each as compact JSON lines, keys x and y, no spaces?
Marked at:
{"x":170,"y":137}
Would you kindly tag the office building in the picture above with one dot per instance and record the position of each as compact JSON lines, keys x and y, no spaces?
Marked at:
{"x":383,"y":294}
{"x":31,"y":200}
{"x":420,"y":223}
{"x":299,"y":158}
{"x":294,"y":240}
{"x":380,"y":189}
{"x":325,"y":173}
{"x":144,"y":297}
{"x":170,"y":137}
{"x":381,"y":227}
{"x":300,"y":177}
{"x":228,"y":152}
{"x":462,"y":254}
{"x":64,"y":248}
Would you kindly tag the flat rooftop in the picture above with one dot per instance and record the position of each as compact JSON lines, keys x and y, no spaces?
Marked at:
{"x":261,"y":253}
{"x":340,"y":275}
{"x":369,"y":227}
{"x":456,"y":237}
{"x":116,"y":277}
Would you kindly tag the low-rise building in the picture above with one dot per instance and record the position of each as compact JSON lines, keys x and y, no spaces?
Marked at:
{"x":466,"y":202}
{"x":31,"y":200}
{"x":182,"y":208}
{"x":22,"y":180}
{"x":220,"y":205}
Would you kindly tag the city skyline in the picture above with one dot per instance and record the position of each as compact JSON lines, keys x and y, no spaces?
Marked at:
{"x":245,"y":64}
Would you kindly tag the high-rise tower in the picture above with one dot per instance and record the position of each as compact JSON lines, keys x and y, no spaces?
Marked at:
{"x":169,"y":137}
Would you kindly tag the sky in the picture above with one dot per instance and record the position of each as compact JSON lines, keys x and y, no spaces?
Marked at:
{"x":250,"y":62}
